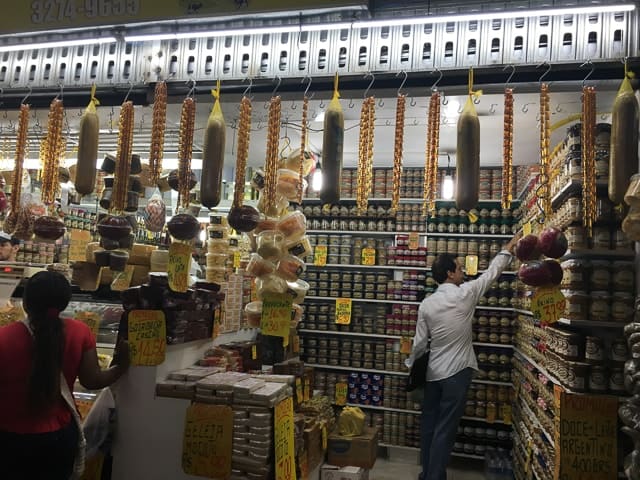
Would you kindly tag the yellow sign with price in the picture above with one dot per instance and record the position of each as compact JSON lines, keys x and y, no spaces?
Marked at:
{"x":276,"y":315}
{"x":368,"y":256}
{"x":548,"y":304}
{"x":207,"y":441}
{"x":343,"y":311}
{"x":179,"y":266}
{"x":414,"y":241}
{"x":91,"y":320}
{"x":78,"y":245}
{"x":147,"y":337}
{"x":320,"y":256}
{"x":341,"y":394}
{"x":283,"y":439}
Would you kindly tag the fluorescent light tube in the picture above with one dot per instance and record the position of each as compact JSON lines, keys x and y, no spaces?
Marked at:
{"x":292,"y":28}
{"x":56,"y":44}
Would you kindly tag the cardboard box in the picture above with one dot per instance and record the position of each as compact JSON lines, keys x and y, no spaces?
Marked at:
{"x":331,"y":472}
{"x":358,"y":451}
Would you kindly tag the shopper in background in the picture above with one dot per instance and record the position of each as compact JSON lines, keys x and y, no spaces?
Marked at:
{"x":444,"y":327}
{"x":38,"y":434}
{"x":9,"y":247}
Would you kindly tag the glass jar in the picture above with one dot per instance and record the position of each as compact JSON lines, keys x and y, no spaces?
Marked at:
{"x":441,"y":246}
{"x":576,"y":238}
{"x":619,"y":353}
{"x":594,"y":350}
{"x":577,"y":304}
{"x":622,"y":307}
{"x":474,"y":228}
{"x":620,"y":240}
{"x":574,"y":274}
{"x":483,"y":248}
{"x":600,"y":275}
{"x":574,"y":210}
{"x":601,"y":238}
{"x":472,"y":247}
{"x":599,"y":308}
{"x":623,"y":276}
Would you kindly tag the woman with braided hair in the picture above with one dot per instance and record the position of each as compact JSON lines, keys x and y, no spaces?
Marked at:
{"x":40,"y":359}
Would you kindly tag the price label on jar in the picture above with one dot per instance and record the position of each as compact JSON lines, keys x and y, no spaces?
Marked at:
{"x":368,"y":256}
{"x":341,"y":394}
{"x":548,"y":304}
{"x":414,"y":241}
{"x":526,"y":229}
{"x":237,"y":256}
{"x":320,"y":256}
{"x":405,"y":345}
{"x":147,"y":337}
{"x":471,"y":264}
{"x":343,"y":311}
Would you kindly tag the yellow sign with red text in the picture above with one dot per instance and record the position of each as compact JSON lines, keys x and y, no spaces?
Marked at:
{"x":147,"y":337}
{"x":91,"y":320}
{"x":276,"y":315}
{"x":284,"y":440}
{"x":179,"y":266}
{"x":368,"y":256}
{"x":207,"y":441}
{"x":343,"y":311}
{"x":548,"y":304}
{"x":320,"y":256}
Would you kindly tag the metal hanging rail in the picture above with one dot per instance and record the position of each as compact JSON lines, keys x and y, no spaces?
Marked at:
{"x":411,"y":48}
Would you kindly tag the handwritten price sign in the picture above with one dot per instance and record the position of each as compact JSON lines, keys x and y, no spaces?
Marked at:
{"x":368,"y":256}
{"x":320,"y":256}
{"x":147,"y":337}
{"x":91,"y":319}
{"x":414,"y":241}
{"x":179,"y":266}
{"x":207,"y":441}
{"x":405,"y":345}
{"x":471,"y":264}
{"x":78,"y":245}
{"x":341,"y":393}
{"x":548,"y":304}
{"x":343,"y":311}
{"x":276,"y":315}
{"x":285,"y":460}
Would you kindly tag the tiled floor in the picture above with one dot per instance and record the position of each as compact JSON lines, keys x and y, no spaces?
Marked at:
{"x":460,"y":469}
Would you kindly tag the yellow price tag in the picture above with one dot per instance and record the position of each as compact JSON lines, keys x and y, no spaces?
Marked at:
{"x":254,"y":352}
{"x":414,"y":241}
{"x":343,"y":311}
{"x":179,"y":266}
{"x":368,"y":256}
{"x":284,"y":440}
{"x":237,"y":256}
{"x":295,"y":345}
{"x":405,"y":345}
{"x":299,"y":390}
{"x":276,"y":315}
{"x":324,"y":437}
{"x":320,"y":256}
{"x":207,"y":441}
{"x":78,"y":245}
{"x":471,"y":264}
{"x":307,"y":390}
{"x":341,"y":393}
{"x":506,"y":414}
{"x":548,"y":304}
{"x":526,"y":229}
{"x":122,"y":280}
{"x":147,"y":337}
{"x":473,"y":218}
{"x":91,"y":319}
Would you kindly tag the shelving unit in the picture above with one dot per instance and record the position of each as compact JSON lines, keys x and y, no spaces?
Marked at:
{"x":362,"y":233}
{"x":353,"y":369}
{"x":480,"y":236}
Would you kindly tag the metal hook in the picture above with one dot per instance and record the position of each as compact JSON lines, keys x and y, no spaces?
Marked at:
{"x":129,"y":92}
{"x":321,"y":104}
{"x":293,"y":105}
{"x":492,"y":110}
{"x":273,"y":94}
{"x":351,"y":104}
{"x":61,"y":94}
{"x":248,"y":89}
{"x":460,"y":108}
{"x":404,"y":80}
{"x":79,"y":114}
{"x":193,"y":87}
{"x":525,"y":107}
{"x":434,"y":87}
{"x":513,"y":71}
{"x":445,"y":100}
{"x":413,"y":102}
{"x":593,"y":68}
{"x":5,"y":115}
{"x":25,"y":97}
{"x":306,"y":90}
{"x":387,"y":123}
{"x":415,"y":122}
{"x":476,"y":100}
{"x":380,"y":103}
{"x":373,"y":79}
{"x":546,"y":72}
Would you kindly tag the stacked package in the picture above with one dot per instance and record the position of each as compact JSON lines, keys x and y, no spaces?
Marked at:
{"x":218,"y":248}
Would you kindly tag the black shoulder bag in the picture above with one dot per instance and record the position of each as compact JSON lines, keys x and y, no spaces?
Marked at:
{"x":418,"y":373}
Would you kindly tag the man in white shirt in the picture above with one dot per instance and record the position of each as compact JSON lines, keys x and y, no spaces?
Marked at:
{"x":444,"y":326}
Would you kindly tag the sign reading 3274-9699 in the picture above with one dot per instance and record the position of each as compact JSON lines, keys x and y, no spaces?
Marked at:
{"x":59,"y":11}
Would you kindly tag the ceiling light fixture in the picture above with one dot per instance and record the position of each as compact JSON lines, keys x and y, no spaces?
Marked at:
{"x":316,"y":178}
{"x":447,"y":182}
{"x":292,"y":28}
{"x":56,"y":44}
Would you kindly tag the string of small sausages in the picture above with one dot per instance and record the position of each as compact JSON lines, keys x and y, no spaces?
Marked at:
{"x":53,"y":149}
{"x":588,"y":158}
{"x":543,"y":192}
{"x":397,"y":152}
{"x":431,"y":155}
{"x":303,"y":144}
{"x":244,"y":132}
{"x":156,"y":149}
{"x":185,"y":150}
{"x":271,"y":164}
{"x":21,"y":147}
{"x":507,"y":150}
{"x":123,"y":158}
{"x":365,"y":154}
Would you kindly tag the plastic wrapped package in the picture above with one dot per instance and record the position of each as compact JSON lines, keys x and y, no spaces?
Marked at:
{"x":270,"y":243}
{"x":270,"y":284}
{"x":293,"y":226}
{"x":259,"y":267}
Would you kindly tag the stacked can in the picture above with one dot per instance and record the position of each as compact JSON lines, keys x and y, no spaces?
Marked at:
{"x":365,"y":389}
{"x":218,"y":248}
